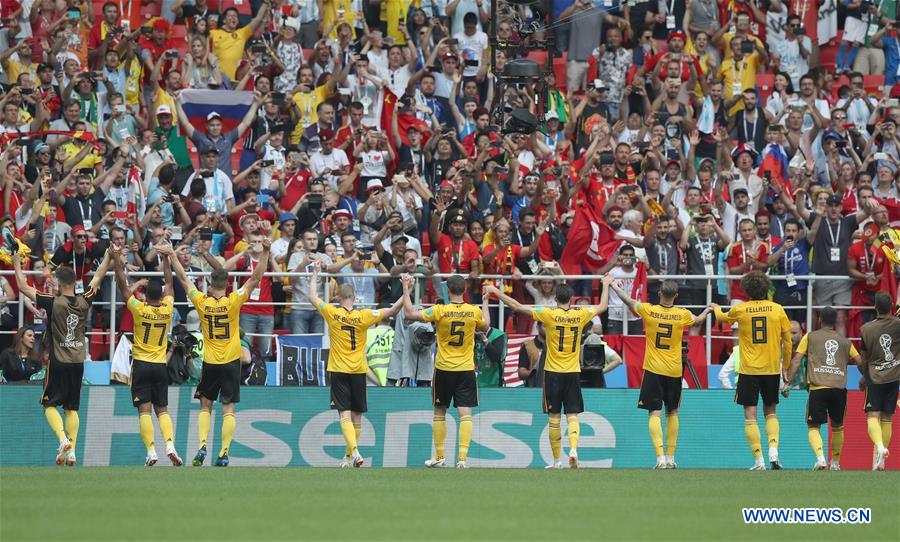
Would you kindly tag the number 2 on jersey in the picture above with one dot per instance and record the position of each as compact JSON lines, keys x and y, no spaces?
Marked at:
{"x":665,"y":332}
{"x":562,"y":337}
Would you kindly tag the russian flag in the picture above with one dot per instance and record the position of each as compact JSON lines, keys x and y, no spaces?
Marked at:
{"x":198,"y":104}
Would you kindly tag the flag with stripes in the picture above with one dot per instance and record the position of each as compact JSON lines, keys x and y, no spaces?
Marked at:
{"x":511,"y":364}
{"x":231,"y":106}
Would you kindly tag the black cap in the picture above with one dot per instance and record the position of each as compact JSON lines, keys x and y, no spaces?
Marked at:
{"x":210,"y":150}
{"x":834,"y":199}
{"x":44,"y":66}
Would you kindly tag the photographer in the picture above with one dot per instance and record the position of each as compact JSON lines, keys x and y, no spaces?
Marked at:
{"x":792,"y":257}
{"x":219,"y":193}
{"x":702,"y":250}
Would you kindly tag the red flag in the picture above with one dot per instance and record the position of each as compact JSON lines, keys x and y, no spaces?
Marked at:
{"x":584,"y":240}
{"x":405,"y":121}
{"x":889,"y":280}
{"x":639,"y":288}
{"x":893,"y":209}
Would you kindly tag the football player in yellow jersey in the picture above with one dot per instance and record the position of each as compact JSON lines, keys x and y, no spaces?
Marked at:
{"x":764,"y":337}
{"x":347,"y":359}
{"x":661,"y":384}
{"x":454,"y":368}
{"x":149,"y":370}
{"x":221,"y":372}
{"x":564,"y":326}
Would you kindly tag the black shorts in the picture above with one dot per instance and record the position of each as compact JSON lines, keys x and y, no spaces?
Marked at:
{"x":825,"y":404}
{"x":62,"y":385}
{"x":657,"y":390}
{"x":149,"y":383}
{"x":220,"y":380}
{"x":750,"y":387}
{"x":348,"y":392}
{"x":461,"y":386}
{"x":562,"y":391}
{"x":882,"y":397}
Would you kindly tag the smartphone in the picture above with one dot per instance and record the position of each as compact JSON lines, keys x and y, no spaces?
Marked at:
{"x":747,"y":47}
{"x":206,"y":174}
{"x":315,"y":201}
{"x":420,"y":262}
{"x":120,"y":215}
{"x":880,"y":156}
{"x":206,"y":234}
{"x":453,"y":42}
{"x":258,"y":49}
{"x":278,"y":128}
{"x":501,"y":170}
{"x":73,"y":14}
{"x":277,"y":98}
{"x":266,"y":163}
{"x":171,"y":55}
{"x":26,"y":91}
{"x":471,"y":63}
{"x":146,"y":31}
{"x":176,"y":233}
{"x":496,"y":144}
{"x":262,"y":199}
{"x":892,"y":102}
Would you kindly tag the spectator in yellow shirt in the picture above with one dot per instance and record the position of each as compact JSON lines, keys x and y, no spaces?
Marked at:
{"x":229,"y":41}
{"x":739,"y":71}
{"x":79,"y":153}
{"x":17,"y":60}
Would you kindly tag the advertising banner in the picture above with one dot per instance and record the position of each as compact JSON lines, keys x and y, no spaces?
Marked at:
{"x":289,"y":426}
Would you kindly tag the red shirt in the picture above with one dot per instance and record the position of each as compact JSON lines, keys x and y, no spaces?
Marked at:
{"x":260,"y":301}
{"x":294,"y":188}
{"x":236,"y":221}
{"x":737,"y":256}
{"x":650,"y":65}
{"x":770,"y":243}
{"x":868,"y":260}
{"x":456,"y":256}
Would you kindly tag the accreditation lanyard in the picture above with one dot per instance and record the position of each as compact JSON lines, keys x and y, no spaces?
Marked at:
{"x":738,"y":75}
{"x":751,"y":136}
{"x":835,"y":237}
{"x":90,"y":213}
{"x":662,"y":250}
{"x":789,"y":260}
{"x":457,"y":255}
{"x":870,"y":265}
{"x":748,"y":254}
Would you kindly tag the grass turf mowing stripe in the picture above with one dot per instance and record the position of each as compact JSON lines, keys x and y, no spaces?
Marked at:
{"x":442,"y":504}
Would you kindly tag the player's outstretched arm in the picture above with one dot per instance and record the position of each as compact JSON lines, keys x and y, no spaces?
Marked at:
{"x":393,"y":309}
{"x":619,"y":292}
{"x":788,"y":373}
{"x":313,"y":294}
{"x":176,"y":266}
{"x":725,"y":317}
{"x":700,"y":318}
{"x":121,"y":281}
{"x":26,"y":289}
{"x":260,"y":268}
{"x":606,"y":281}
{"x":787,"y":346}
{"x":101,"y":272}
{"x":409,"y":312}
{"x":485,"y":312}
{"x":508,"y":301}
{"x":168,"y":282}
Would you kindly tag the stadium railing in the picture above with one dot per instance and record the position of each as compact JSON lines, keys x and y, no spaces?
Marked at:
{"x":238,"y":277}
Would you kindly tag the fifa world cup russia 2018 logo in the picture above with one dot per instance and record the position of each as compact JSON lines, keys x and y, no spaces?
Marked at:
{"x":831,"y":348}
{"x":885,"y":341}
{"x":71,"y":323}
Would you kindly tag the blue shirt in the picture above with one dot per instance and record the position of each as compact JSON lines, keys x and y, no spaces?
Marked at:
{"x":794,"y":261}
{"x":891,"y":58}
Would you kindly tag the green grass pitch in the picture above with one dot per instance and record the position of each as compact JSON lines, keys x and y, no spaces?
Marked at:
{"x":169,"y":504}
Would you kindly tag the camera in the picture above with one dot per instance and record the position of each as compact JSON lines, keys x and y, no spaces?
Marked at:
{"x":168,"y":199}
{"x":471,"y":63}
{"x":206,"y":174}
{"x":799,"y":31}
{"x":747,"y":47}
{"x":452,"y":42}
{"x":26,"y":91}
{"x":267,"y":163}
{"x":258,"y":48}
{"x":277,"y":98}
{"x":171,"y":55}
{"x":206,"y":234}
{"x":841,"y":143}
{"x":146,"y":31}
{"x":315,"y":201}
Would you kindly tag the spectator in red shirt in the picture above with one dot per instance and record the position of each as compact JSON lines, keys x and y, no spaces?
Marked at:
{"x":106,"y":35}
{"x":866,"y":263}
{"x":676,"y":41}
{"x":456,"y":254}
{"x":744,"y":256}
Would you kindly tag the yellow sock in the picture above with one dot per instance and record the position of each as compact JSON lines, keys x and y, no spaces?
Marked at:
{"x":165,"y":427}
{"x":837,"y":444}
{"x":439,"y":433}
{"x":772,"y":430}
{"x":555,"y":438}
{"x":145,"y":422}
{"x":72,"y":423}
{"x":656,"y":435}
{"x":751,"y":430}
{"x":886,"y":431}
{"x":349,"y":434}
{"x":55,"y":421}
{"x":671,"y":434}
{"x":465,"y":436}
{"x":573,"y":428}
{"x":203,"y":427}
{"x":874,"y":426}
{"x":357,"y":429}
{"x":815,"y":441}
{"x":227,"y":433}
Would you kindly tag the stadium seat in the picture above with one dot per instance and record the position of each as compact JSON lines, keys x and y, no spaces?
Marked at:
{"x":538,"y":56}
{"x":148,"y":11}
{"x":179,"y":32}
{"x":873,"y":83}
{"x":99,"y":344}
{"x":559,"y":69}
{"x":828,"y":57}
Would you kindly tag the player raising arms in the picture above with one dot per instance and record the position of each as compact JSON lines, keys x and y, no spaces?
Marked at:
{"x":828,"y":353}
{"x":221,"y":372}
{"x":880,"y":347}
{"x":67,"y":322}
{"x":149,"y":370}
{"x":347,"y":359}
{"x":764,"y":337}
{"x":454,"y":368}
{"x":562,"y":385}
{"x":661,"y":384}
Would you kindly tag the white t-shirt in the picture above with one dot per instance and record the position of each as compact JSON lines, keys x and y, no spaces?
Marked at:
{"x":335,"y":161}
{"x":792,"y":62}
{"x":218,"y":191}
{"x":265,"y":174}
{"x":471,"y":48}
{"x":407,"y":204}
{"x":625,"y":281}
{"x":396,"y":80}
{"x":374,"y":164}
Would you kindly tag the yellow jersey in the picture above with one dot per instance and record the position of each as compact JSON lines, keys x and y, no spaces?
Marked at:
{"x":664,"y":328}
{"x":456,"y":325}
{"x":219,"y":324}
{"x":229,"y":47}
{"x":151,"y":329}
{"x":764,"y":336}
{"x":347,"y":331}
{"x":563,"y":329}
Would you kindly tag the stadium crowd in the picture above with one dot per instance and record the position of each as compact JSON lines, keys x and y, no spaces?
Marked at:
{"x":691,"y":137}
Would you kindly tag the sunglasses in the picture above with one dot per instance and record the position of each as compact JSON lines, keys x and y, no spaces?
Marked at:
{"x":81,"y":236}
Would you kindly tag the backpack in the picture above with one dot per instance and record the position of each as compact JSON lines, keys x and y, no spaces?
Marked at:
{"x":255,"y":372}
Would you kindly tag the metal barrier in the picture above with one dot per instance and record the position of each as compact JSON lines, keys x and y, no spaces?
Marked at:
{"x":238,"y":275}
